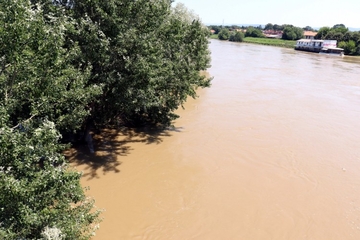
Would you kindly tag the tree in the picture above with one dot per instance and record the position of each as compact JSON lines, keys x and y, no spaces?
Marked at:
{"x":62,"y":62}
{"x":217,"y":29}
{"x":348,"y":40}
{"x":292,"y":33}
{"x":322,"y":33}
{"x":146,"y":55}
{"x":38,"y":190}
{"x":334,"y":35}
{"x":278,"y":27}
{"x":237,"y":37}
{"x":269,"y":26}
{"x":254,"y":32}
{"x":37,"y":75}
{"x":39,"y":193}
{"x":349,"y":47}
{"x":308,"y":28}
{"x":355,"y":37}
{"x":342,"y":30}
{"x":339,"y":26}
{"x":224,"y":34}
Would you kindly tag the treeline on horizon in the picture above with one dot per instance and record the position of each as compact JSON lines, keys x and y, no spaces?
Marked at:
{"x":346,"y":39}
{"x":70,"y":65}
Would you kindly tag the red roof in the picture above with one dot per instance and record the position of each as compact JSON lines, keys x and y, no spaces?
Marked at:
{"x":310,"y":33}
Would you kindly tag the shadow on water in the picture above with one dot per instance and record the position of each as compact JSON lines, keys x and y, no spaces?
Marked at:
{"x":110,"y":145}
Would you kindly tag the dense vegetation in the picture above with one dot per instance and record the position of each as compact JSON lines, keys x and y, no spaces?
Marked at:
{"x":349,"y":41}
{"x":66,"y":65}
{"x":237,"y":37}
{"x":224,"y":34}
{"x":292,"y":33}
{"x":254,"y":32}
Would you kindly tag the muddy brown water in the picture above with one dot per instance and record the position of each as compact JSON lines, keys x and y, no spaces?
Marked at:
{"x":270,"y":151}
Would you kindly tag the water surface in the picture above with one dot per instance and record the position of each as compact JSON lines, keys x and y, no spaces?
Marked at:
{"x":270,"y":151}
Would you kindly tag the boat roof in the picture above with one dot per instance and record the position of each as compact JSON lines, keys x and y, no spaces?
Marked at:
{"x":310,"y":40}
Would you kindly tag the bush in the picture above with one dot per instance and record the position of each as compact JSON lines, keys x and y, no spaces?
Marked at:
{"x":237,"y":37}
{"x":224,"y":34}
{"x":349,"y":47}
{"x":292,"y":33}
{"x":254,"y":32}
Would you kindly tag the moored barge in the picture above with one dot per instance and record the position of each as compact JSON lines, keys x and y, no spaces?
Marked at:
{"x":319,"y":46}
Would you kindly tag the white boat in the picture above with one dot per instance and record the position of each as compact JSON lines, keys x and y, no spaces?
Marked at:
{"x":332,"y":51}
{"x":319,"y":46}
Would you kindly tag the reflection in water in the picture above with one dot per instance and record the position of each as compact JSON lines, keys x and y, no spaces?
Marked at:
{"x":270,"y":151}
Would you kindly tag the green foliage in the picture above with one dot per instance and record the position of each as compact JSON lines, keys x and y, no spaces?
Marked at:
{"x":349,"y":41}
{"x":254,"y":32}
{"x":269,"y":26}
{"x":292,"y":33}
{"x":278,"y":27}
{"x":322,"y":33}
{"x":217,"y":29}
{"x":39,"y":193}
{"x":237,"y":37}
{"x":349,"y":47}
{"x":145,"y":54}
{"x":308,"y":28}
{"x":63,"y":62}
{"x":224,"y":34}
{"x":37,"y":77}
{"x":214,"y":36}
{"x":37,"y":188}
{"x":355,"y":36}
{"x":338,"y":26}
{"x":334,"y":35}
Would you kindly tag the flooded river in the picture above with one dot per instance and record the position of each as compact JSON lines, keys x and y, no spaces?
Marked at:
{"x":270,"y":151}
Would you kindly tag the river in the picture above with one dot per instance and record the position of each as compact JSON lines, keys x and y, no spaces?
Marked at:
{"x":270,"y":151}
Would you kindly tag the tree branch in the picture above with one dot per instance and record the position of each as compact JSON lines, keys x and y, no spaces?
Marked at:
{"x":27,"y":120}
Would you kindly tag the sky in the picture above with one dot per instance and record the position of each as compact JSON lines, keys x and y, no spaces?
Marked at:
{"x":300,"y":13}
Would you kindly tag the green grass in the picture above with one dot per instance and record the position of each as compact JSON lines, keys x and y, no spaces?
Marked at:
{"x":271,"y":42}
{"x":265,"y":41}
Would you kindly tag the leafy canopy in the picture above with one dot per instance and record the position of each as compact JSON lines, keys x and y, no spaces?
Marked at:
{"x":224,"y":34}
{"x":65,"y":63}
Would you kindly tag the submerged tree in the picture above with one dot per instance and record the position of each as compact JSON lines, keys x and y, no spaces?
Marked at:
{"x":145,"y":54}
{"x":37,"y":75}
{"x":37,"y":188}
{"x":64,"y":62}
{"x":39,"y":85}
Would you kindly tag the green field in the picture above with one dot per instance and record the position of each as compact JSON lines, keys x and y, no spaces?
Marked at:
{"x":214,"y":36}
{"x":266,"y":41}
{"x":271,"y":42}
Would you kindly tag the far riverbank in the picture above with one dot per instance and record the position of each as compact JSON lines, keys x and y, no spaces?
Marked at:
{"x":266,"y":41}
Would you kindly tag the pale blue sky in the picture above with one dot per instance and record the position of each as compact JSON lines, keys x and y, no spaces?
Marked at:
{"x":301,"y":13}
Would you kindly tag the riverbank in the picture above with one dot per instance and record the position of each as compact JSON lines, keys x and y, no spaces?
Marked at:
{"x":266,"y":41}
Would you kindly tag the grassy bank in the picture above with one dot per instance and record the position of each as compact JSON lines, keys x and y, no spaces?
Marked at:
{"x":214,"y":36}
{"x":271,"y":42}
{"x":265,"y":41}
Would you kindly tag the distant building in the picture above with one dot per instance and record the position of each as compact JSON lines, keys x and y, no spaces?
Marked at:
{"x":272,"y":33}
{"x":309,"y":34}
